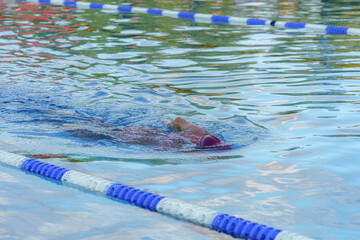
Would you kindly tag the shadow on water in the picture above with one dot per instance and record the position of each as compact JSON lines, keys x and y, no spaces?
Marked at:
{"x":32,"y":116}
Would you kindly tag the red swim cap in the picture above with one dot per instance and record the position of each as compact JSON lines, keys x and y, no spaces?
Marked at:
{"x":210,"y":141}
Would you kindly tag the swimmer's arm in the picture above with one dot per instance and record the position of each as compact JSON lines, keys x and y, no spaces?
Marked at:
{"x":182,"y":125}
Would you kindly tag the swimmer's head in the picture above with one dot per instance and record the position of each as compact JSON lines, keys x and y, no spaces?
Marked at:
{"x":212,"y":142}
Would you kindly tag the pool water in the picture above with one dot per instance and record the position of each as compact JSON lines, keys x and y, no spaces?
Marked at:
{"x":286,"y":100}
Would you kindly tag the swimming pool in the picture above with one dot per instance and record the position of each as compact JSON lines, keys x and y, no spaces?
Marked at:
{"x":286,"y":99}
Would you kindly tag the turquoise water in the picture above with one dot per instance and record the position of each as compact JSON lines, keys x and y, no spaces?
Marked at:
{"x":287,"y":100}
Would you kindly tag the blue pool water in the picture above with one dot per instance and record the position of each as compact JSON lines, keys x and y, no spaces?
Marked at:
{"x":287,"y":101}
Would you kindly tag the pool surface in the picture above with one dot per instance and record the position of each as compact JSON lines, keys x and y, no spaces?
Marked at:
{"x":286,"y":100}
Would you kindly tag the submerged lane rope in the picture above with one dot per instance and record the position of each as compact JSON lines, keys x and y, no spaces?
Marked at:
{"x":205,"y":18}
{"x":231,"y":225}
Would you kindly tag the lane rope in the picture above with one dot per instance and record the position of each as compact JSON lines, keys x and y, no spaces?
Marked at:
{"x":204,"y":18}
{"x":231,"y":225}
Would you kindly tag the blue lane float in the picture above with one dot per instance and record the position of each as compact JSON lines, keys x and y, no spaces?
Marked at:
{"x":221,"y":222}
{"x":205,"y":18}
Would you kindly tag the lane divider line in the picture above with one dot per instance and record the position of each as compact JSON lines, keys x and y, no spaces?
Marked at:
{"x":205,"y":18}
{"x":231,"y":225}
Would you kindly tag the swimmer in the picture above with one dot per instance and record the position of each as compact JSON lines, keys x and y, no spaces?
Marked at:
{"x":189,"y":135}
{"x":201,"y":137}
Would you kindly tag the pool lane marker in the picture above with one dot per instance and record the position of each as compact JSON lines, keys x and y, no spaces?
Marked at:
{"x":231,"y":225}
{"x":206,"y":18}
